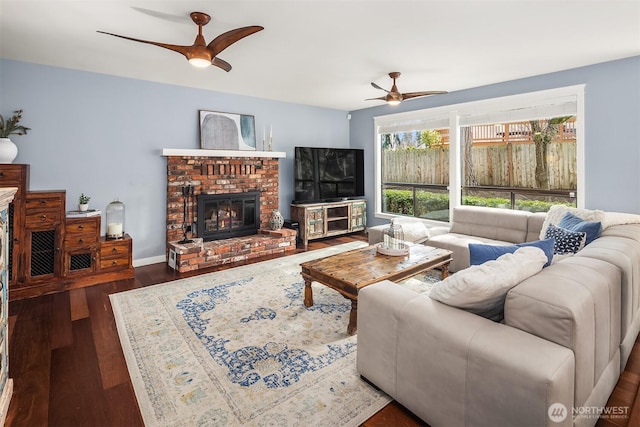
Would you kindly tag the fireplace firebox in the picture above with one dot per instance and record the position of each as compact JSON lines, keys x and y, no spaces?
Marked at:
{"x":222,"y":216}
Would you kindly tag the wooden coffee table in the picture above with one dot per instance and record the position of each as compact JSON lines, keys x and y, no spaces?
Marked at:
{"x":351,"y":271}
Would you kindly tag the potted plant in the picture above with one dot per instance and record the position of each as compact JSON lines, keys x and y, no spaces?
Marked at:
{"x":9,"y":150}
{"x":83,"y":202}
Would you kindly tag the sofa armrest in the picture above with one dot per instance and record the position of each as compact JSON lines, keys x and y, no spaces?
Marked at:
{"x":451,"y":367}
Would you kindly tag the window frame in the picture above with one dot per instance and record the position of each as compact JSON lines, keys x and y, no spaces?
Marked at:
{"x":456,"y":113}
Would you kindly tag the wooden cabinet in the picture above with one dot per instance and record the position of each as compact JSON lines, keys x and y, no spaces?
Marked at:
{"x":115,"y":254}
{"x":6,"y":385}
{"x":81,"y":242}
{"x":317,"y":220}
{"x":49,"y":252}
{"x":44,"y":213}
{"x":15,"y":175}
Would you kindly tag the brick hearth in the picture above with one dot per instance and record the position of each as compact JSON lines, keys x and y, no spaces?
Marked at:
{"x":192,"y":256}
{"x":210,"y":174}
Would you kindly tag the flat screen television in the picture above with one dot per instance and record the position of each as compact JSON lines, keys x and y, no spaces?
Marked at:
{"x":328,"y":174}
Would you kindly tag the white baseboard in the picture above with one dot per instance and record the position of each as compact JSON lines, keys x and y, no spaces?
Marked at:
{"x":151,"y":260}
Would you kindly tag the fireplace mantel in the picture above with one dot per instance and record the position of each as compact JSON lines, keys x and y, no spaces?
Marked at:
{"x":182,"y":152}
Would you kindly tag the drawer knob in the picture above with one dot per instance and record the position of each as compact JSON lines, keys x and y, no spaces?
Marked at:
{"x":80,"y":227}
{"x":81,"y":241}
{"x":43,"y":201}
{"x":114,"y":263}
{"x":114,"y":251}
{"x":43,"y":217}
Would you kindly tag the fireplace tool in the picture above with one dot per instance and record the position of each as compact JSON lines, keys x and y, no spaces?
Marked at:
{"x":187,"y":200}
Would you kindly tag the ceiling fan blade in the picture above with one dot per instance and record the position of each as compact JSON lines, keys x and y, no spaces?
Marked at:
{"x":383,"y":98}
{"x":222,"y":64}
{"x":378,"y":87}
{"x":410,"y":95}
{"x":225,"y":40}
{"x":184,"y":50}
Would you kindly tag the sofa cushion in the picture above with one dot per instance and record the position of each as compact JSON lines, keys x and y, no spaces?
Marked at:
{"x":480,"y":253}
{"x":574,"y":223}
{"x":534,"y":225}
{"x":614,"y":248}
{"x":491,"y":223}
{"x":566,"y":241}
{"x":459,"y":245}
{"x":619,"y":218}
{"x":481,"y":289}
{"x":574,"y":303}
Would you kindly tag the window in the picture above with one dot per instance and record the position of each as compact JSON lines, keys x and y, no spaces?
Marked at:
{"x":520,"y":152}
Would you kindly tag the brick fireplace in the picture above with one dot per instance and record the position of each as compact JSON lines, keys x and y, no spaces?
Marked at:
{"x":221,"y":172}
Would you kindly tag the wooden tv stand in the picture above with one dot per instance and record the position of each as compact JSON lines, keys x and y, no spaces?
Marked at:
{"x":318,"y":220}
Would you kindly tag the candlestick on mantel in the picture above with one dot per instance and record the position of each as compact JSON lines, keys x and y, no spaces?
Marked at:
{"x":271,"y":138}
{"x":264,"y":136}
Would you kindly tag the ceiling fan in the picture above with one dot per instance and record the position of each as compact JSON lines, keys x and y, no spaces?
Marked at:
{"x":394,"y":97}
{"x":201,"y":54}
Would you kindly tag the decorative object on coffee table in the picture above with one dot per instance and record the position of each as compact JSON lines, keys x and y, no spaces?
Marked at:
{"x":115,"y":220}
{"x":393,"y":240}
{"x":276,"y":220}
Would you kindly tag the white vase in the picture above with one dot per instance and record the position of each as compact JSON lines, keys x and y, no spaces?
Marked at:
{"x":83,"y":207}
{"x":8,"y":150}
{"x":276,"y":221}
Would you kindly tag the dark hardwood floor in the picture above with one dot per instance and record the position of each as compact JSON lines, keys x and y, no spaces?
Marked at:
{"x":69,"y":370}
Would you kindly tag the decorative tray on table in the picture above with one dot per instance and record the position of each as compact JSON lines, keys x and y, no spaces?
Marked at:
{"x":386,"y":250}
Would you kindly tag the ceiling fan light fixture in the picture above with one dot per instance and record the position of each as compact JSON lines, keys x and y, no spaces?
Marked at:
{"x":393,"y":98}
{"x":200,"y":62}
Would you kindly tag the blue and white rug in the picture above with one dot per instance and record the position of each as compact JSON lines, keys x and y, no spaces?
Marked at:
{"x":239,"y":348}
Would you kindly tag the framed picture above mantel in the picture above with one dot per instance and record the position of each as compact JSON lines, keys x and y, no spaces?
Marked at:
{"x":227,"y":131}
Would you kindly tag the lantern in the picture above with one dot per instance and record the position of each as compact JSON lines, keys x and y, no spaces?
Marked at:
{"x":393,"y":236}
{"x":115,"y":220}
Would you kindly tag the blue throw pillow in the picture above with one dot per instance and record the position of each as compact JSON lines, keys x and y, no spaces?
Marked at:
{"x":566,"y":241}
{"x":480,"y":253}
{"x":575,"y":223}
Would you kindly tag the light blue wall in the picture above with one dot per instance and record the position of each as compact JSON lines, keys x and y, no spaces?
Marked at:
{"x":103,"y":135}
{"x":612,"y":128}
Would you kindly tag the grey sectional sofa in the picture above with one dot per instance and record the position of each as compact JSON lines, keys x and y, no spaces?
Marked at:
{"x":472,"y":224}
{"x":566,"y":335}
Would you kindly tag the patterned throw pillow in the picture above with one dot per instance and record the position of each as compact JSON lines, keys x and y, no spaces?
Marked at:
{"x":566,"y":241}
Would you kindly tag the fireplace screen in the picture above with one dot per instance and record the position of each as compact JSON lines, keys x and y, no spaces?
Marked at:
{"x":221,"y":216}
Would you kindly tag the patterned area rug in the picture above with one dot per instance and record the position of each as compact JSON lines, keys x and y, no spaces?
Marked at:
{"x":239,"y":348}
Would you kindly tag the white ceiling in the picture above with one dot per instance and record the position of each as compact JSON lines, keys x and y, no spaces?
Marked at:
{"x":326,"y":53}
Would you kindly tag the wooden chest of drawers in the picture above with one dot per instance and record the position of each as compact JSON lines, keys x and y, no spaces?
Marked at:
{"x":49,"y":252}
{"x":82,"y":232}
{"x":44,"y":209}
{"x":115,"y":254}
